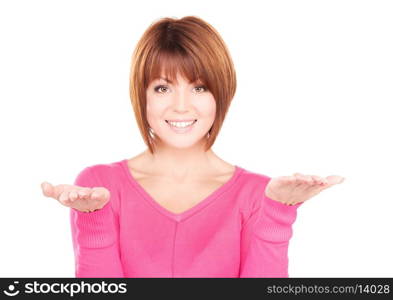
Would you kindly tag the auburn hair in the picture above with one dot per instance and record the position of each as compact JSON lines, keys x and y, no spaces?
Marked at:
{"x":191,"y":47}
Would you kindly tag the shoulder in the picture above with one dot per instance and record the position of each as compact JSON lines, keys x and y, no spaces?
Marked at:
{"x":102,"y":174}
{"x":252,"y":180}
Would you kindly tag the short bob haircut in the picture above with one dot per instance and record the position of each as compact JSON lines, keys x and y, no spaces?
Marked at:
{"x":191,"y":47}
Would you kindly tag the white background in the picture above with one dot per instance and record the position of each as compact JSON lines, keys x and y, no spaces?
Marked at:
{"x":315,"y":88}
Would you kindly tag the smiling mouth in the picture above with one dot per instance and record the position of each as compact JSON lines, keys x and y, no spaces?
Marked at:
{"x":177,"y":122}
{"x":181,"y":126}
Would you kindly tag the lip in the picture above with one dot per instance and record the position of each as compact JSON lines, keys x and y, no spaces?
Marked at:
{"x":181,"y":130}
{"x":178,"y":120}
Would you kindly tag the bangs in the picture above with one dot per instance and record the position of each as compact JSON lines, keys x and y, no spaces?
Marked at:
{"x":169,"y":64}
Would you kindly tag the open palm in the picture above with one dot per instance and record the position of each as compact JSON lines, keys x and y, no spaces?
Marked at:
{"x":81,"y":198}
{"x":290,"y":190}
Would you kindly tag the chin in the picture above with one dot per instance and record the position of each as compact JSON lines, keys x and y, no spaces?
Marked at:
{"x":181,"y":143}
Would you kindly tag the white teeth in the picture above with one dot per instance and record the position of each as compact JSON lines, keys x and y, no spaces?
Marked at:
{"x":181,"y":124}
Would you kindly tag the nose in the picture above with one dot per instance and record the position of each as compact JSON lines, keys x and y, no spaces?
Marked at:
{"x":181,"y":102}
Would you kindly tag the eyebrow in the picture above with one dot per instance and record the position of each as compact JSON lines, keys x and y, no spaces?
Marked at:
{"x":170,"y":81}
{"x":166,"y":79}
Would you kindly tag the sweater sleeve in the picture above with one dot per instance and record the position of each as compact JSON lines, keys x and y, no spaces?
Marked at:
{"x":95,"y":235}
{"x":265,"y":239}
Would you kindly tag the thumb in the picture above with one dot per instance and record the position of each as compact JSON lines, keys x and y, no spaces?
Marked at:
{"x":51,"y":191}
{"x":335,"y":179}
{"x":47,"y":189}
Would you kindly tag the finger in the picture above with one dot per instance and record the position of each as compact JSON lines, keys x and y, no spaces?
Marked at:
{"x":95,"y":194}
{"x":320,"y":180}
{"x":319,"y":184}
{"x":298,"y":181}
{"x":99,"y":193}
{"x":47,"y":189}
{"x":53,"y":191}
{"x":335,"y":179}
{"x":303,"y":181}
{"x":73,"y":196}
{"x":84,"y":193}
{"x":63,"y":198}
{"x":300,"y":177}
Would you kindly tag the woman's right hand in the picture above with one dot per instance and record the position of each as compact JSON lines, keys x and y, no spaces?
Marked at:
{"x":81,"y":198}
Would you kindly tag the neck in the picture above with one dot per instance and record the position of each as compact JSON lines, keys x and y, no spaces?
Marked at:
{"x":182,"y":164}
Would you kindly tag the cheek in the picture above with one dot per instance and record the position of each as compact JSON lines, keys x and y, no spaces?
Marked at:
{"x":154,"y":110}
{"x":207,"y":107}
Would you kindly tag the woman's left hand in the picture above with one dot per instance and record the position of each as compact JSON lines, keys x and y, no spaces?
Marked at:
{"x":291,"y":190}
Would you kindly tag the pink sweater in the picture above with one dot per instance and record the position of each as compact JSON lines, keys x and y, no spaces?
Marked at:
{"x":235,"y":232}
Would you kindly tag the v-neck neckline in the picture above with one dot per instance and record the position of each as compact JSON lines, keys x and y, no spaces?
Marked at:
{"x":189,"y":212}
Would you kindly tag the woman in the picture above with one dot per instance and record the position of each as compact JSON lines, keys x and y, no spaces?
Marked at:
{"x":177,"y":209}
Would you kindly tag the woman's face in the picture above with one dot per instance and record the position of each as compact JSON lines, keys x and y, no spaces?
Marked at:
{"x":182,"y":103}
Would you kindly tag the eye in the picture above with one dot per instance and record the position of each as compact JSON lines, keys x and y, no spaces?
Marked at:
{"x":157,"y":88}
{"x":202,"y":87}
